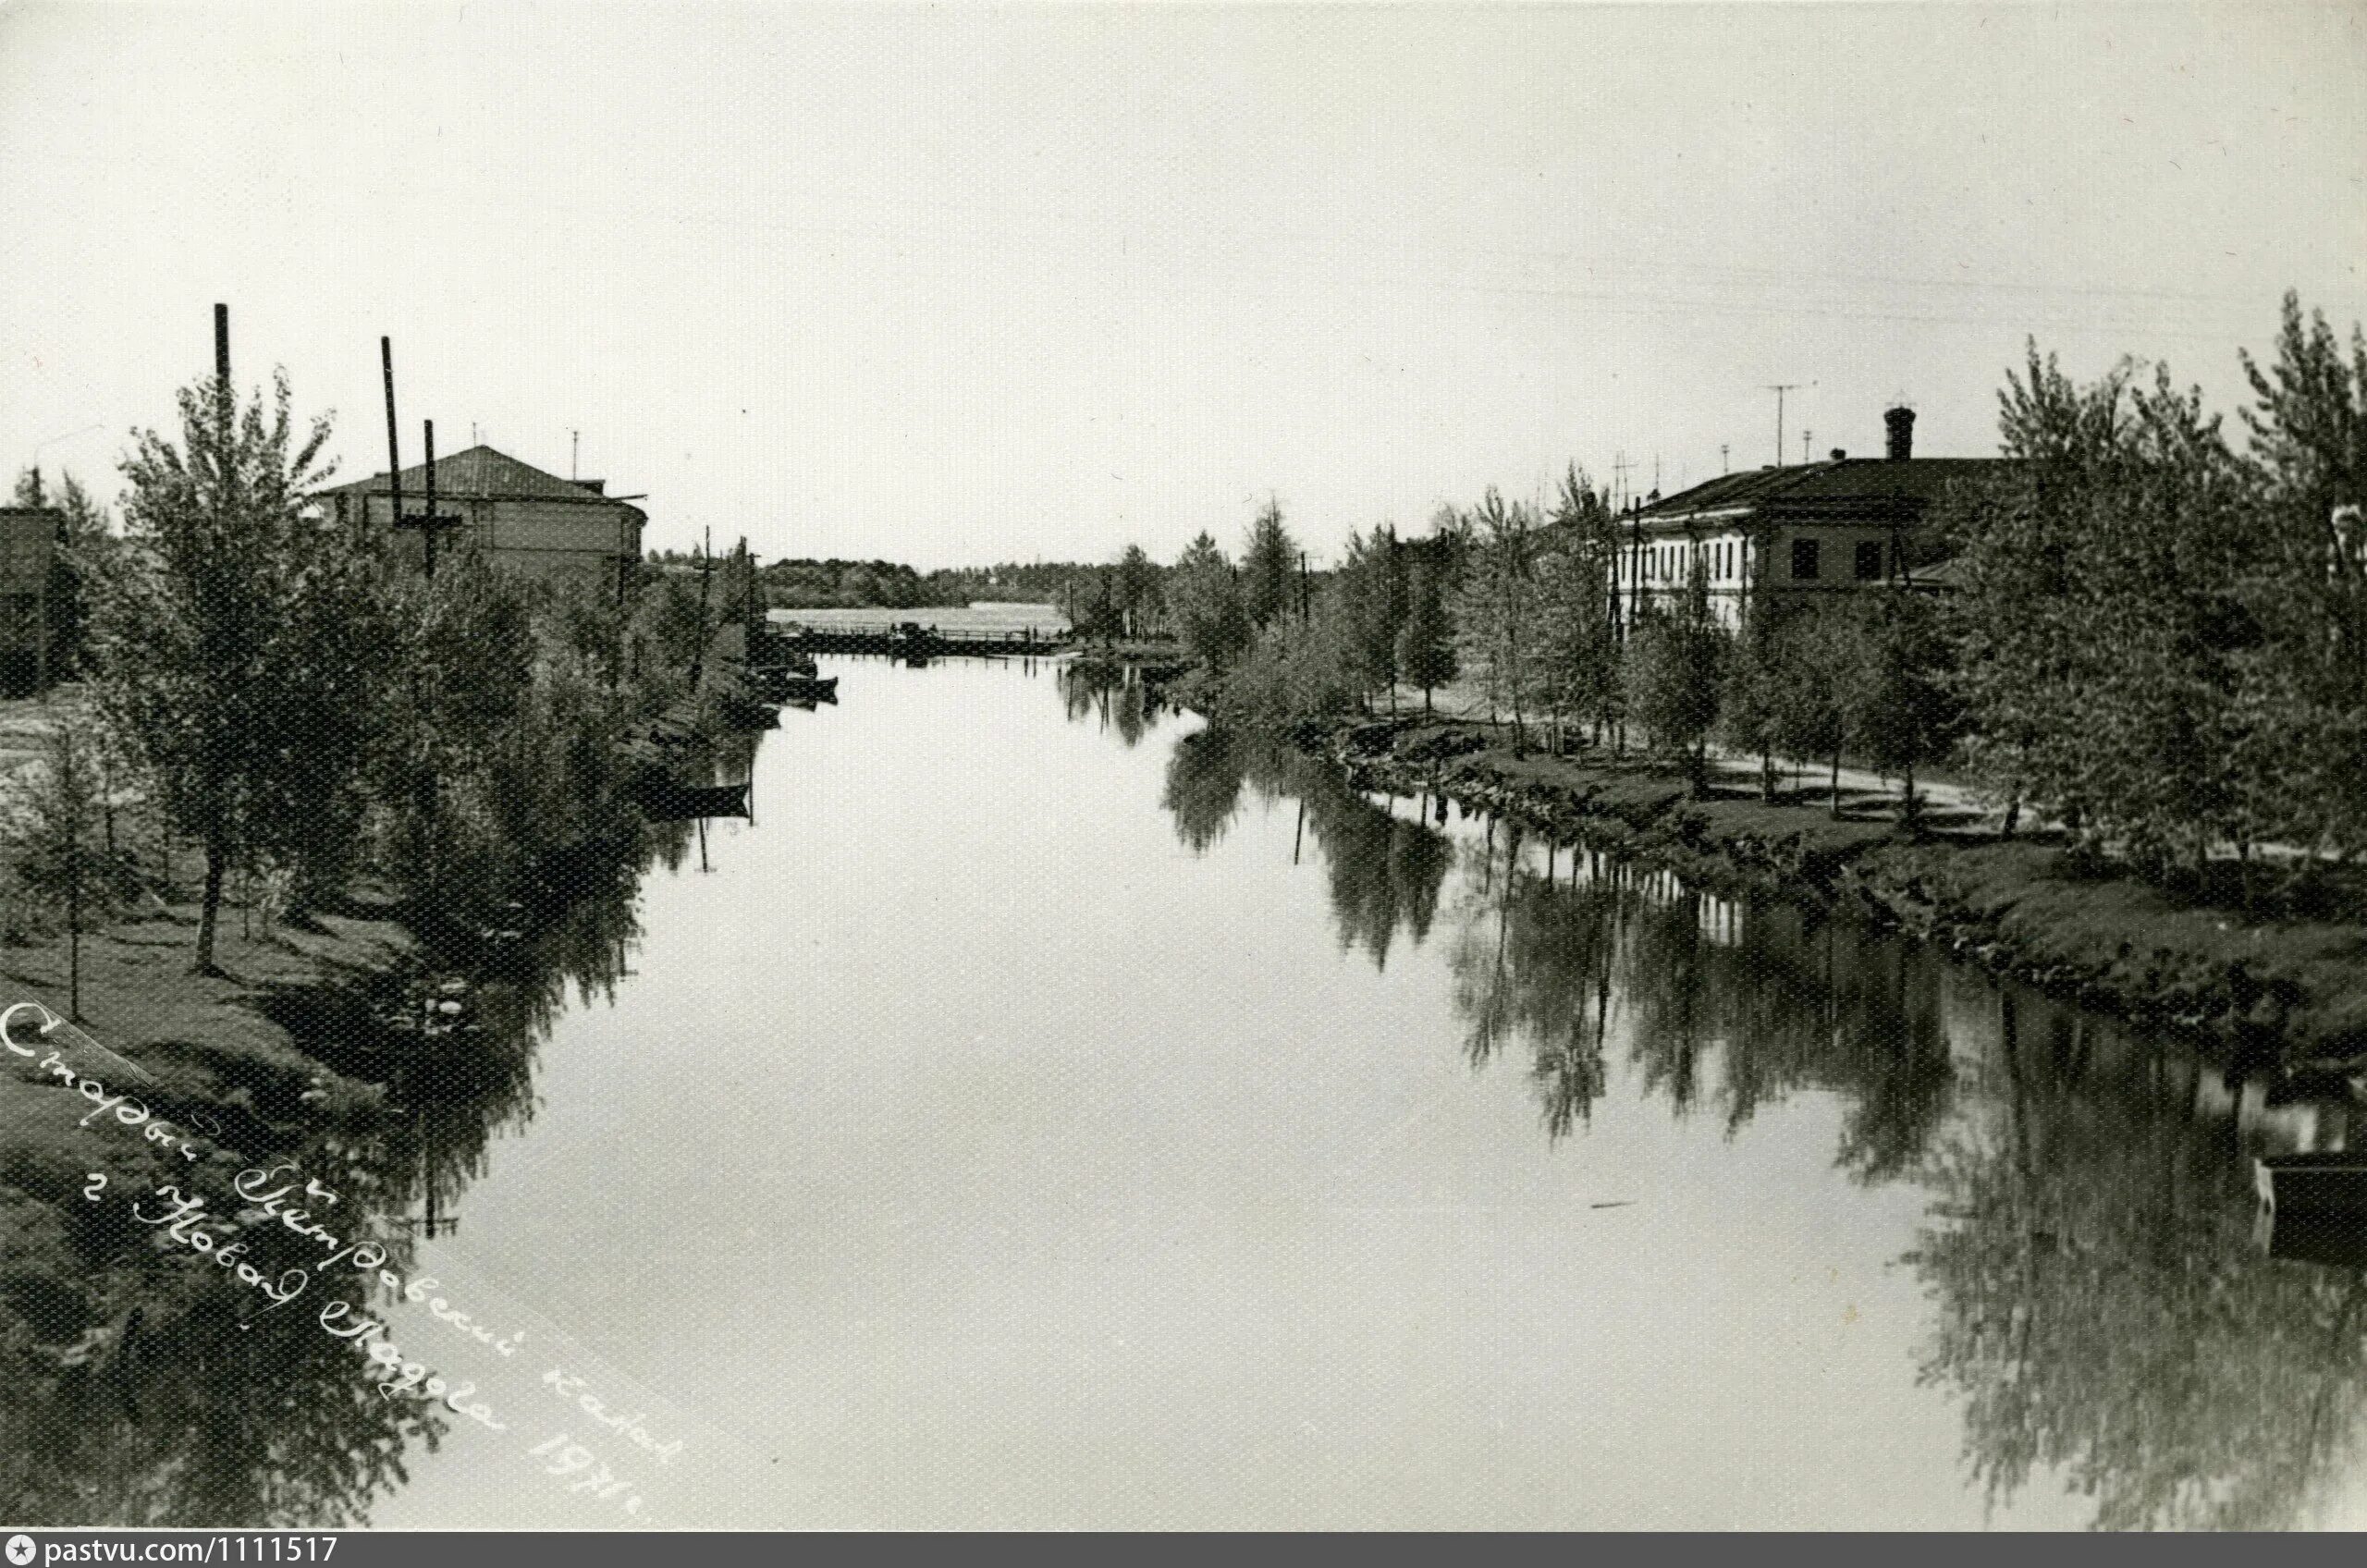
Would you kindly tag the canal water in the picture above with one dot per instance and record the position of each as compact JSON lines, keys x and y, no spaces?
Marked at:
{"x":1048,"y":1113}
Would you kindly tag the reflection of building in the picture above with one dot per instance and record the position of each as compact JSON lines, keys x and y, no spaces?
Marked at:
{"x":511,"y":513}
{"x":28,"y":545}
{"x":1843,"y":523}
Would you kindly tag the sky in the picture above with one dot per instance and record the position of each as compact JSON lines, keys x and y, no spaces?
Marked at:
{"x":956,"y":284}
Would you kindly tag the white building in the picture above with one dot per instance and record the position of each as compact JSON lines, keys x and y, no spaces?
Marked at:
{"x":1825,"y":527}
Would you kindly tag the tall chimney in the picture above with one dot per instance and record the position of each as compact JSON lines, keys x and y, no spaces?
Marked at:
{"x":1901,"y":423}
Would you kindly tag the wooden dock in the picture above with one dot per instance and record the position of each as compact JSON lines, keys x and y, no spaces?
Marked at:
{"x":912,"y":640}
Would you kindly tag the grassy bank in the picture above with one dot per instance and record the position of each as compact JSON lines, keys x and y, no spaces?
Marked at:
{"x":2289,"y":988}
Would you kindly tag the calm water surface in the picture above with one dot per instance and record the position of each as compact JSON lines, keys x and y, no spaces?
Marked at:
{"x":1044,"y":1115}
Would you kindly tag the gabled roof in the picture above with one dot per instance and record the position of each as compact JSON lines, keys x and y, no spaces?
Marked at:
{"x":1842,"y":489}
{"x":482,"y":472}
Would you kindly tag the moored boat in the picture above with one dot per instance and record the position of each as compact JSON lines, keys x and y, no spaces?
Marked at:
{"x":778,"y":685}
{"x":2325,"y":1182}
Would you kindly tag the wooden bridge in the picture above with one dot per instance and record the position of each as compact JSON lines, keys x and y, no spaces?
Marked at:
{"x":913,"y":640}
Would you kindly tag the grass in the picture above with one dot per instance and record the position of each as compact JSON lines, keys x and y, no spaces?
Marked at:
{"x":2292,"y":985}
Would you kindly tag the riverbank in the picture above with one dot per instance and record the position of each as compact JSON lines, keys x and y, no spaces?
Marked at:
{"x":2291,"y":991}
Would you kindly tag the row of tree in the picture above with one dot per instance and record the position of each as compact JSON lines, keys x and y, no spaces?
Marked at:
{"x":284,"y":698}
{"x":2160,"y":641}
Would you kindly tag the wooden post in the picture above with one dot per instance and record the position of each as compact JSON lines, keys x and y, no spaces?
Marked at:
{"x":394,"y":446}
{"x":222,"y":366}
{"x":428,"y":523}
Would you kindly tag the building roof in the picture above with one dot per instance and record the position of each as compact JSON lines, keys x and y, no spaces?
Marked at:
{"x":1844,"y":489}
{"x":480,"y":474}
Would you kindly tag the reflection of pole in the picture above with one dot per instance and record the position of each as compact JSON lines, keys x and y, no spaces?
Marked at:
{"x":1300,"y":831}
{"x":703,"y":865}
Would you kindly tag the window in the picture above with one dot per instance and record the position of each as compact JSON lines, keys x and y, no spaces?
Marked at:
{"x":1804,"y":562}
{"x":1869,"y":559}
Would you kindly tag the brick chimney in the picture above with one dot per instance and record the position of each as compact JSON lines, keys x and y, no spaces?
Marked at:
{"x":1901,"y":424}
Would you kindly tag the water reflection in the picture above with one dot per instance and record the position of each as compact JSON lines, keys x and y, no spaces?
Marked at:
{"x":1114,"y":696}
{"x":143,"y":1384}
{"x":2103,"y":1311}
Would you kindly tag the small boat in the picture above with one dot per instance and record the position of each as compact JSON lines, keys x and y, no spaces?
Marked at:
{"x":2326,"y":1181}
{"x":780,"y":686}
{"x":670,"y":800}
{"x":787,"y":660}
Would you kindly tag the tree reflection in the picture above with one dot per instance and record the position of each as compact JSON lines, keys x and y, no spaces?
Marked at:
{"x":2105,"y":1314}
{"x":1113,"y":695}
{"x":2100,"y":1303}
{"x":143,"y":1385}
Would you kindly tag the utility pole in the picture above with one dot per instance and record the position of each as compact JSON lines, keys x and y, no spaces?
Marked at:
{"x":574,"y":445}
{"x":1808,"y":439}
{"x":1725,"y":464}
{"x":427,"y":524}
{"x":394,"y":446}
{"x":1304,"y":611}
{"x":1779,"y":388}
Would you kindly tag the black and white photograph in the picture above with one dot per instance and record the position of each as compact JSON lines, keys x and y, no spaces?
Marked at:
{"x":1182,"y":768}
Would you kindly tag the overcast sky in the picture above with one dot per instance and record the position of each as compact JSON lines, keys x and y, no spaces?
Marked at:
{"x":958,"y":286}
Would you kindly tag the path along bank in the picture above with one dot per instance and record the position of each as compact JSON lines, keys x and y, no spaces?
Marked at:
{"x":2290,"y":992}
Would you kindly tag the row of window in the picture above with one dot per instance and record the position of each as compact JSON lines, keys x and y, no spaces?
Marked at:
{"x":1666,"y":563}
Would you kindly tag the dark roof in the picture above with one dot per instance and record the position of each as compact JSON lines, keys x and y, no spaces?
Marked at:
{"x":481,"y":472}
{"x":1843,"y":489}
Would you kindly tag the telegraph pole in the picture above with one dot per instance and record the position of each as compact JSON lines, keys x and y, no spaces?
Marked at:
{"x":1779,"y":388}
{"x":428,"y":523}
{"x":394,"y":446}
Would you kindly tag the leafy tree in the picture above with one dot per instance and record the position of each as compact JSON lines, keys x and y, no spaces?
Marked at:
{"x":238,"y":654}
{"x":1904,"y":713}
{"x":2308,"y":686}
{"x":1206,"y":601}
{"x":1268,"y":564}
{"x":1751,"y":711}
{"x":1676,"y":665}
{"x":1137,"y":589}
{"x":1818,"y":655}
{"x":1426,"y":642}
{"x":1497,"y":609}
{"x":56,"y":833}
{"x":2107,"y":635}
{"x":1577,"y":635}
{"x":1373,"y":599}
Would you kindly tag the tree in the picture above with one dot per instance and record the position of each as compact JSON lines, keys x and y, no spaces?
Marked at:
{"x":1207,"y":602}
{"x":1751,"y":710}
{"x":1426,"y":642}
{"x":1268,"y":564}
{"x":1497,"y":609}
{"x":1677,"y":665}
{"x":1578,"y":633}
{"x":1817,"y":655}
{"x":2109,"y":650}
{"x":239,"y":655}
{"x":1373,"y":598}
{"x":1137,"y":588}
{"x":56,"y":832}
{"x":2308,"y":684}
{"x":1904,"y":713}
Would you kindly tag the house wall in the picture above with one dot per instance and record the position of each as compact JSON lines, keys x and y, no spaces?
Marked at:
{"x":1738,"y":564}
{"x":543,"y":539}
